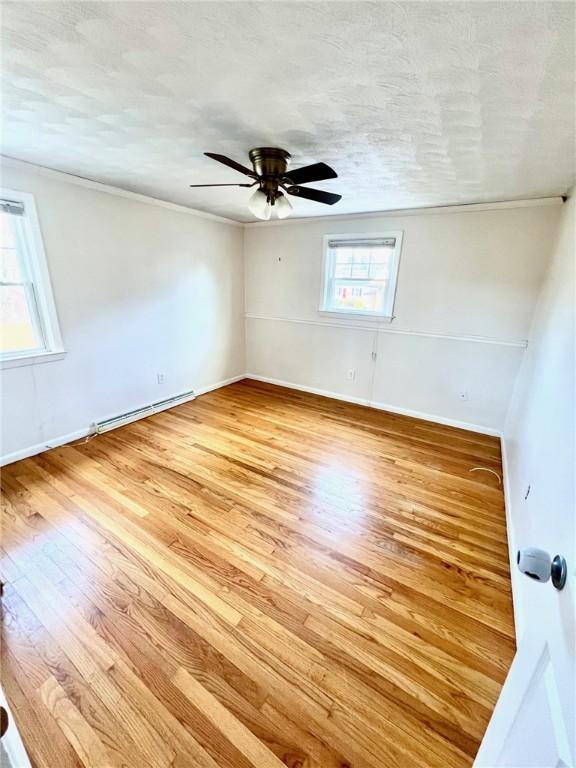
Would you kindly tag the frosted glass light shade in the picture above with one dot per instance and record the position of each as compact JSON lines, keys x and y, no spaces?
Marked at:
{"x":283,"y":206}
{"x":259,"y":205}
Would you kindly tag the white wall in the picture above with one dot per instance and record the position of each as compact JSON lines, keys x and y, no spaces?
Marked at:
{"x":142,"y":289}
{"x":139,"y":289}
{"x":462,"y":274}
{"x":540,"y":452}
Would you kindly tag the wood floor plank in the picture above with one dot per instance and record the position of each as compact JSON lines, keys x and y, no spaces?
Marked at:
{"x":78,"y":732}
{"x":43,"y":738}
{"x":250,"y":746}
{"x":259,"y":577}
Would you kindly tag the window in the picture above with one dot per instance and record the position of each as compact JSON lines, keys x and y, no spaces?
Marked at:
{"x":28,"y":323}
{"x":360,"y":274}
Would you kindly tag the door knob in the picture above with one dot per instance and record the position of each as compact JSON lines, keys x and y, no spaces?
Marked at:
{"x":559,"y":571}
{"x":537,"y":565}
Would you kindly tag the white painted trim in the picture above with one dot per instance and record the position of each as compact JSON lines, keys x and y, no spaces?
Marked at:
{"x":219,"y":384}
{"x":557,"y":714}
{"x":347,"y":317}
{"x":32,"y":450}
{"x":364,"y":326}
{"x":532,"y":661}
{"x":36,"y":358}
{"x":12,"y":741}
{"x":310,"y":390}
{"x":41,"y":273}
{"x":328,"y":266}
{"x":11,"y":162}
{"x":479,"y":428}
{"x":483,"y":430}
{"x":515,"y":575}
{"x":432,"y":211}
{"x":36,"y":271}
{"x":526,"y":664}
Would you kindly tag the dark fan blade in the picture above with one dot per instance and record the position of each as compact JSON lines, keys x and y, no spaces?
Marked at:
{"x":316,"y":172}
{"x":231,"y":164}
{"x":222,"y":185}
{"x":314,"y":194}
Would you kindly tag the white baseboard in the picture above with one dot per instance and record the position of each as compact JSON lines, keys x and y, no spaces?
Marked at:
{"x":382,"y":406}
{"x":311,"y":390}
{"x":33,"y":450}
{"x":219,"y":384}
{"x":515,"y":575}
{"x":479,"y":428}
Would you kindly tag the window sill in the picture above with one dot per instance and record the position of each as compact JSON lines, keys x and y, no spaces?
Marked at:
{"x":362,"y":317}
{"x":34,"y":358}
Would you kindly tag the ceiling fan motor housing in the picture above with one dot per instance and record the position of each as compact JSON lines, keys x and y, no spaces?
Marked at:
{"x":270,"y":171}
{"x":270,"y":164}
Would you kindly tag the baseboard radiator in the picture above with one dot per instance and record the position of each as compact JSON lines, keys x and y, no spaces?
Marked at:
{"x":140,"y":413}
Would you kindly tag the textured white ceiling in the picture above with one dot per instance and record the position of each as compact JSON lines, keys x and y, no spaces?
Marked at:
{"x":413,"y":103}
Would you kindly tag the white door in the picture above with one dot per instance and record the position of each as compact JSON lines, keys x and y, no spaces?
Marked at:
{"x":530,"y":727}
{"x":12,"y":752}
{"x":534,"y":722}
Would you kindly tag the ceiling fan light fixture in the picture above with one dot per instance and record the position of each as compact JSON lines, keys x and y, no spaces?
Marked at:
{"x":283,"y":206}
{"x":269,"y":174}
{"x":259,"y":205}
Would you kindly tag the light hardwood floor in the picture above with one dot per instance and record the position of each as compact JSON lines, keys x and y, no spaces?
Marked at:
{"x":261,"y":578}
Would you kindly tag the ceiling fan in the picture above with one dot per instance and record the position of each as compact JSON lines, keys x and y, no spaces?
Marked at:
{"x":270,"y":173}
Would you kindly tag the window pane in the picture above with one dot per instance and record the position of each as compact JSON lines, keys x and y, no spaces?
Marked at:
{"x":343,"y":270}
{"x":360,"y":271}
{"x":362,"y":263}
{"x":360,"y":274}
{"x":380,"y":270}
{"x":17,"y":331}
{"x":353,"y":255}
{"x":10,"y":271}
{"x":7,"y":237}
{"x":9,"y":268}
{"x":358,"y":298}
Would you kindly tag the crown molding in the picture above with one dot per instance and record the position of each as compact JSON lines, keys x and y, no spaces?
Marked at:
{"x":11,"y":162}
{"x":532,"y":202}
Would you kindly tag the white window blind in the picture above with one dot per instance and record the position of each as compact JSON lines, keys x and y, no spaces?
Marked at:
{"x":12,"y":207}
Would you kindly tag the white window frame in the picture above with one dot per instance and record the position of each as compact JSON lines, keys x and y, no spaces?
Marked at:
{"x":38,"y":278}
{"x":387,"y":313}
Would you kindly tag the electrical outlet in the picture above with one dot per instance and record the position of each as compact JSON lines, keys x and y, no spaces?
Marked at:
{"x":160,"y":378}
{"x":463,"y":395}
{"x":351,"y":374}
